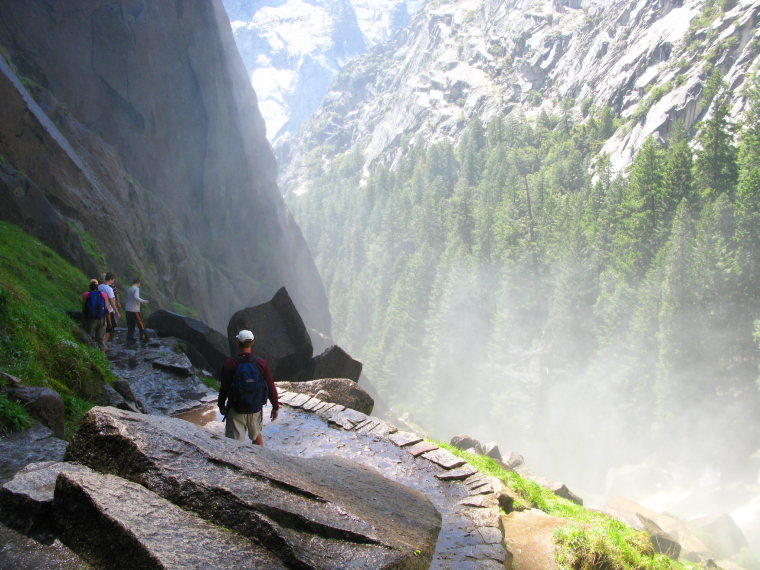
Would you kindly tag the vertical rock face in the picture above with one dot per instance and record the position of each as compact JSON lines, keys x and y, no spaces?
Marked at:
{"x":157,"y":136}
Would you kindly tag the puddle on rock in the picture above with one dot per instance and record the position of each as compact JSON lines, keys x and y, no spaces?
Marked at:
{"x":201,"y":415}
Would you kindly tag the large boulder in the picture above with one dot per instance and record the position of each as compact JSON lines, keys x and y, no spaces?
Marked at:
{"x":118,"y":524}
{"x":281,"y":337}
{"x":662,"y":542}
{"x":464,"y":441}
{"x":207,"y":347}
{"x":334,"y":363}
{"x":26,"y":501}
{"x":721,"y":534}
{"x":310,"y":513}
{"x":336,"y":390}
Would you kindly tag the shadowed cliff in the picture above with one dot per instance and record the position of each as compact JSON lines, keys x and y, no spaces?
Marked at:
{"x":131,"y":140}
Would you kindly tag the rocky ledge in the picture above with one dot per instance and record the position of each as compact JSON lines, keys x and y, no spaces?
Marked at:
{"x":159,"y":492}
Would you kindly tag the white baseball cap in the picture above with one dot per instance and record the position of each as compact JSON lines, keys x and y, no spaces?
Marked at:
{"x":244,"y":335}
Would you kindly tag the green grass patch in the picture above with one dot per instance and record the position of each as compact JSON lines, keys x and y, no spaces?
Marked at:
{"x":590,"y":540}
{"x":13,"y":416}
{"x":39,"y":342}
{"x":208,"y":380}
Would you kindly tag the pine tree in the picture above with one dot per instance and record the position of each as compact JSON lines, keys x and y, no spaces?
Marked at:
{"x":716,"y":161}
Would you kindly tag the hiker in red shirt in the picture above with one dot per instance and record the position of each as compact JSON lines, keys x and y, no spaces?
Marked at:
{"x":94,"y":313}
{"x":246,"y":384}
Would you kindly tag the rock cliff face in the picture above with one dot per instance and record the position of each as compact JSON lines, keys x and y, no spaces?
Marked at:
{"x":293,"y":49}
{"x":131,"y":140}
{"x":649,"y":61}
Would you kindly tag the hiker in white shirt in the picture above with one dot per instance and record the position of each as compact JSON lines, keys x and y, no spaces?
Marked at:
{"x":113,"y":310}
{"x":132,"y":309}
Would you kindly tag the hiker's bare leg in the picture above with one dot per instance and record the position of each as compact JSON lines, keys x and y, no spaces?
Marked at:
{"x":259,"y":440}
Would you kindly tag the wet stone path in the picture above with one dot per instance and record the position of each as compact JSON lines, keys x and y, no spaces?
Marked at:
{"x":469,"y":538}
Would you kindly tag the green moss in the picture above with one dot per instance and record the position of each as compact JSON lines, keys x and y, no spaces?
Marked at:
{"x":75,"y":409}
{"x":39,"y":342}
{"x":590,"y":540}
{"x":91,"y":245}
{"x":177,"y":307}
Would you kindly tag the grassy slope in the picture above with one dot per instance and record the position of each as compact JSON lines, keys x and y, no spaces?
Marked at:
{"x":589,"y":540}
{"x":39,"y":343}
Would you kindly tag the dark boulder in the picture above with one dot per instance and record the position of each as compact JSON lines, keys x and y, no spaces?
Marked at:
{"x":559,"y":489}
{"x":111,"y":397}
{"x":720,"y":533}
{"x":336,"y":390}
{"x":311,"y":513}
{"x":463,"y":441}
{"x":281,"y":337}
{"x":333,"y":363}
{"x":118,"y":524}
{"x":125,"y":390}
{"x":44,"y":404}
{"x":491,"y":449}
{"x":513,"y":460}
{"x":661,"y":541}
{"x":207,"y":347}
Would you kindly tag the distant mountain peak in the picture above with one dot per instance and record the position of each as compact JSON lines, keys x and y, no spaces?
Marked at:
{"x":648,"y":61}
{"x":293,"y":49}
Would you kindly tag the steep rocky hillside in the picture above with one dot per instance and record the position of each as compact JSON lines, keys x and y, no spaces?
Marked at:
{"x":130,"y":140}
{"x":648,"y":61}
{"x":293,"y":49}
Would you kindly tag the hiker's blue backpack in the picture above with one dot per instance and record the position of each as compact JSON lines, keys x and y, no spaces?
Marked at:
{"x":249,"y":391}
{"x":95,"y":305}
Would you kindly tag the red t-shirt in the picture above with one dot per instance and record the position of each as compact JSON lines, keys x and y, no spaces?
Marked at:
{"x":228,"y":371}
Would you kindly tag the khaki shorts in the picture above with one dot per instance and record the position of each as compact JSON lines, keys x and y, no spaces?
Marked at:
{"x":238,"y":424}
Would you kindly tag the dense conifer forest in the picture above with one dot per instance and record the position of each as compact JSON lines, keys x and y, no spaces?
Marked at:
{"x":511,"y":287}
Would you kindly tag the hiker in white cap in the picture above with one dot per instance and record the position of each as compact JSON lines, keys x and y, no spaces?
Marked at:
{"x":246,"y":384}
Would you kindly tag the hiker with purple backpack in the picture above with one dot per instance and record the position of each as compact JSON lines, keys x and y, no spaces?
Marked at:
{"x":94,"y":313}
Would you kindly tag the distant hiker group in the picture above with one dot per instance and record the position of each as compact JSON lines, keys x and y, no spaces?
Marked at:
{"x":101,"y":310}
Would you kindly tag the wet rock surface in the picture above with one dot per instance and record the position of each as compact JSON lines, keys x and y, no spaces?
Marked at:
{"x":311,"y":512}
{"x":161,"y":380}
{"x":19,"y":552}
{"x":209,"y":346}
{"x":469,"y":538}
{"x":35,"y":444}
{"x":121,"y":525}
{"x":341,"y":451}
{"x":529,"y":536}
